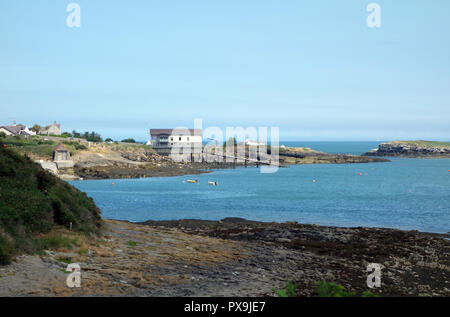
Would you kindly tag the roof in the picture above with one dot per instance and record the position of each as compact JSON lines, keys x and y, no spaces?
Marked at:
{"x":58,"y":125}
{"x":175,"y":131}
{"x":16,"y":129}
{"x":61,"y":148}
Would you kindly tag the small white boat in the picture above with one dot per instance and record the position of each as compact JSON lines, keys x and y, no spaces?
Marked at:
{"x":213,"y":183}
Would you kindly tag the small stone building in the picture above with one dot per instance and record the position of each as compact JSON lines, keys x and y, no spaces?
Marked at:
{"x":61,"y":153}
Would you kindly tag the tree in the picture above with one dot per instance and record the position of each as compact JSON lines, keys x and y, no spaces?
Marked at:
{"x":129,"y":141}
{"x":93,"y":137}
{"x":36,"y":128}
{"x":88,"y":136}
{"x":76,"y":134}
{"x":109,"y":140}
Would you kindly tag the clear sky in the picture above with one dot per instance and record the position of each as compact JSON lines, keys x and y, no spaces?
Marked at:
{"x":312,"y":68}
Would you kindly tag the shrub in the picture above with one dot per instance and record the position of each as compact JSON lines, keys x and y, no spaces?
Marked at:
{"x":6,"y":250}
{"x":132,"y":244}
{"x":77,"y":146}
{"x":33,"y":202}
{"x":55,"y":242}
{"x":325,"y":289}
{"x":290,"y":290}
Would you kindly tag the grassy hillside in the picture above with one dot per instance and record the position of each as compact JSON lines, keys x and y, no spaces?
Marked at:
{"x":426,"y":144}
{"x":32,"y":202}
{"x":39,"y":147}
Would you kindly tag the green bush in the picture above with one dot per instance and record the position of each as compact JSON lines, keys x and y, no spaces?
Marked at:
{"x":76,"y":145}
{"x":34,"y":201}
{"x":6,"y":251}
{"x":55,"y":242}
{"x":290,"y":291}
{"x":128,"y":141}
{"x":325,"y":289}
{"x":131,"y":244}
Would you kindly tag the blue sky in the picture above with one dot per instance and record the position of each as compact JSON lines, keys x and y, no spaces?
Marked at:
{"x":312,"y":68}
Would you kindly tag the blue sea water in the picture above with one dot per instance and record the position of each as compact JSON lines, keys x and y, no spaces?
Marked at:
{"x":405,"y":193}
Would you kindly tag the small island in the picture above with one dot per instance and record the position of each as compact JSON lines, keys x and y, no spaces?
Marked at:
{"x":413,"y":149}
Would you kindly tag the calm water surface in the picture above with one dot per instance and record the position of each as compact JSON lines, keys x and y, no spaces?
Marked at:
{"x":405,"y":194}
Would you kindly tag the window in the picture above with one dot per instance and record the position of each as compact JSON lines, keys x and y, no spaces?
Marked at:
{"x":179,"y":138}
{"x":188,"y":139}
{"x":171,"y":139}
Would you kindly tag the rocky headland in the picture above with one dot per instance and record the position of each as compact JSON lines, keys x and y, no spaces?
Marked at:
{"x":140,"y":162}
{"x":414,"y":149}
{"x":292,"y":156}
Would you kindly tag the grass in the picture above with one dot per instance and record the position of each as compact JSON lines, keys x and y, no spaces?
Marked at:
{"x":426,"y":143}
{"x":65,"y":260}
{"x":37,"y":146}
{"x":56,"y":242}
{"x":131,"y":244}
{"x":289,"y":291}
{"x":30,"y":145}
{"x":130,"y":146}
{"x":40,"y":151}
{"x":33,"y":203}
{"x":323,"y":289}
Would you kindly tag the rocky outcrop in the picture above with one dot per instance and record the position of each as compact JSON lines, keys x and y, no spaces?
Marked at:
{"x":412,"y":149}
{"x":307,"y":156}
{"x":235,"y":257}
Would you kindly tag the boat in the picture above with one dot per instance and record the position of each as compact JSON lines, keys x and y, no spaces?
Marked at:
{"x":192,"y":181}
{"x":213,"y":183}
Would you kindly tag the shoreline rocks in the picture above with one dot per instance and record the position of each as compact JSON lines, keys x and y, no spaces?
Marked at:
{"x":235,"y":257}
{"x":413,"y":149}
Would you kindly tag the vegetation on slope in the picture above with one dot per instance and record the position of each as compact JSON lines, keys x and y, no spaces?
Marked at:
{"x":426,"y":144}
{"x":38,"y":147}
{"x":33,"y":201}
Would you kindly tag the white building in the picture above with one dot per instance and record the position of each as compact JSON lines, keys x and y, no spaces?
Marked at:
{"x":254,"y":143}
{"x":164,"y":140}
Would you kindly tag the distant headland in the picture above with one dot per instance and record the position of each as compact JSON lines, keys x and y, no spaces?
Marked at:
{"x":419,"y":149}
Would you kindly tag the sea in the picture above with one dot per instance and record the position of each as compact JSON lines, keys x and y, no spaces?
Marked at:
{"x":406,"y":193}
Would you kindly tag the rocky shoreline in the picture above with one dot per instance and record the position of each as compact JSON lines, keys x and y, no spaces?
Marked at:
{"x":235,"y":257}
{"x":413,"y":149}
{"x":141,"y":163}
